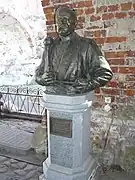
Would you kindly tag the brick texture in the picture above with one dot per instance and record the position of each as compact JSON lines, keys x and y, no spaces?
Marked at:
{"x":112,"y":26}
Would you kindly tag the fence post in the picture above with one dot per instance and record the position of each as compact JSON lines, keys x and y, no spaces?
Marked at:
{"x":27,"y":92}
{"x":8,"y":97}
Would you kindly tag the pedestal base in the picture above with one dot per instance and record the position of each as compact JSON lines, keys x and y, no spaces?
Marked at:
{"x":89,"y":171}
{"x":68,"y":124}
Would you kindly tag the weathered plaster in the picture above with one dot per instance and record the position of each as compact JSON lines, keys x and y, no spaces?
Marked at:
{"x":22,"y":29}
{"x":108,"y":2}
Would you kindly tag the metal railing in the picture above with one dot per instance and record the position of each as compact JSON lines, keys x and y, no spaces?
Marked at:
{"x":25,"y":102}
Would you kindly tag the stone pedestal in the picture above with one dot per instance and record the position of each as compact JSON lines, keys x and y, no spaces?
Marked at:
{"x":68,"y":121}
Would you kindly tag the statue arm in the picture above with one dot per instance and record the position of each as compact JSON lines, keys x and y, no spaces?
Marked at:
{"x":43,"y":74}
{"x":99,"y":69}
{"x":40,"y":70}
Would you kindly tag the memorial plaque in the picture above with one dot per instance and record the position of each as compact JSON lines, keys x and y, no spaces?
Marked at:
{"x":61,"y":127}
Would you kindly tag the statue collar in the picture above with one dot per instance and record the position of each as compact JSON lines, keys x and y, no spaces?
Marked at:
{"x":68,"y":38}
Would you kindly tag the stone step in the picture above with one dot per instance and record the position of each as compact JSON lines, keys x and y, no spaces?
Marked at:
{"x":14,"y":140}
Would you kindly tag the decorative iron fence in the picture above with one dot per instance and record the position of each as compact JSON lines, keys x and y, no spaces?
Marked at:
{"x":26,"y":102}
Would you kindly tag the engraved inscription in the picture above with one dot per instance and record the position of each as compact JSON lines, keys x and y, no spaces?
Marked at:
{"x":61,"y":127}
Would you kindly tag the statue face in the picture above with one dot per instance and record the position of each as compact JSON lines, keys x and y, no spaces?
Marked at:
{"x":65,"y":23}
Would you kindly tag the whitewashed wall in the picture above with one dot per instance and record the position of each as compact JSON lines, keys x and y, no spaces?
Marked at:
{"x":22,"y":30}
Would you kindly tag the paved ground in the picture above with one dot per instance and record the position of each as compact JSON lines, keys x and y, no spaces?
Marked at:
{"x":11,"y":169}
{"x":117,"y":176}
{"x":15,"y":139}
{"x":28,"y":126}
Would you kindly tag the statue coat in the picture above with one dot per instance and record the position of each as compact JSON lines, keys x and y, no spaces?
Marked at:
{"x":78,"y":59}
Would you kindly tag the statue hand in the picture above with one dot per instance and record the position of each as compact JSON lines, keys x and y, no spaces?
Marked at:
{"x":48,"y":78}
{"x":40,"y":81}
{"x":81,"y":84}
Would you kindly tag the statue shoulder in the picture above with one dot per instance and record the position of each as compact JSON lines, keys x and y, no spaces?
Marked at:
{"x":91,"y":43}
{"x":88,"y":41}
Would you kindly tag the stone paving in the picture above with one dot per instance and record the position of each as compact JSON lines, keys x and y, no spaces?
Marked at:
{"x":13,"y":139}
{"x":117,"y":176}
{"x":28,"y":126}
{"x":11,"y":169}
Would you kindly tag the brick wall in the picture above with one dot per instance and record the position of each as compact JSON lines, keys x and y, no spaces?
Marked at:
{"x":112,"y":25}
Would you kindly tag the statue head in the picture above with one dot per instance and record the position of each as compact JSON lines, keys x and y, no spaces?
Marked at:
{"x":65,"y":19}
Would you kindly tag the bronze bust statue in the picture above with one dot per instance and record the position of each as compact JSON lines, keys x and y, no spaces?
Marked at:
{"x":71,"y":64}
